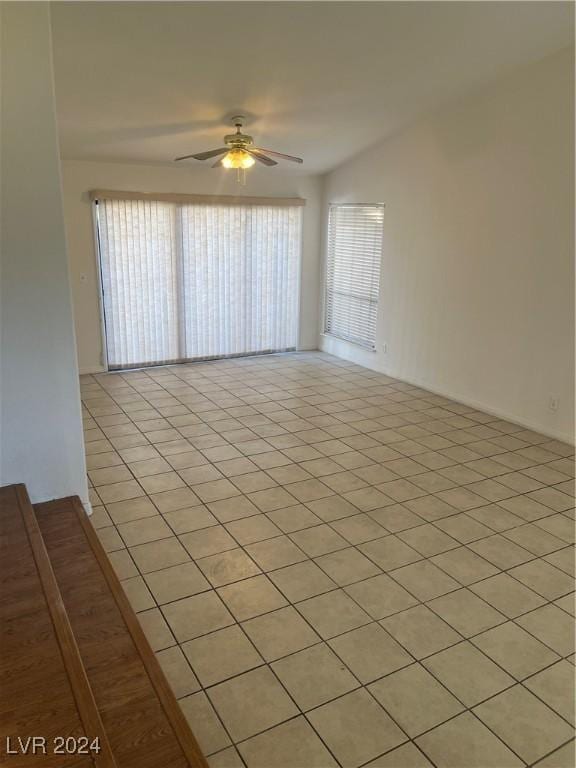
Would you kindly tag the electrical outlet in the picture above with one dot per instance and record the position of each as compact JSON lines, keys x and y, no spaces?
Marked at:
{"x":553,"y":403}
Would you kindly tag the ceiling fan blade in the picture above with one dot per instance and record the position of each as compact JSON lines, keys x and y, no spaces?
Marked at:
{"x":204,"y":155}
{"x":259,"y":156}
{"x":278,"y":154}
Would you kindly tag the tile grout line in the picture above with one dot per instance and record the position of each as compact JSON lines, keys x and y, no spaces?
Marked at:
{"x":422,"y":558}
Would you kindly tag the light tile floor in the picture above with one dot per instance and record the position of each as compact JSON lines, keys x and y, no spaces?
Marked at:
{"x":336,"y":568}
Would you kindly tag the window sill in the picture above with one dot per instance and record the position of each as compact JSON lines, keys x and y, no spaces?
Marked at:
{"x":358,"y":344}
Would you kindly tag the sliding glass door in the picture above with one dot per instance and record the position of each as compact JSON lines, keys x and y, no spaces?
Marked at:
{"x":193,"y":281}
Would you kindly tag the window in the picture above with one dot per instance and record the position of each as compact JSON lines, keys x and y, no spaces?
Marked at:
{"x":353,"y":272}
{"x":193,"y":281}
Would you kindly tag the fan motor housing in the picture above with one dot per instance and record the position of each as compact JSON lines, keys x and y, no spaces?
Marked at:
{"x":238,"y":140}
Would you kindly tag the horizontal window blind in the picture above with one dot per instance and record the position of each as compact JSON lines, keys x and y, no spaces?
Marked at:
{"x":192,"y":281}
{"x":352,"y":278}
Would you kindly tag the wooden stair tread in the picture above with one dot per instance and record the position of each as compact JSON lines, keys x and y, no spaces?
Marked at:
{"x":141,"y":717}
{"x":36,"y":692}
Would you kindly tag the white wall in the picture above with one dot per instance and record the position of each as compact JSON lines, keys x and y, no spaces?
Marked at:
{"x":477,"y":284}
{"x":80,"y":177}
{"x":41,"y":427}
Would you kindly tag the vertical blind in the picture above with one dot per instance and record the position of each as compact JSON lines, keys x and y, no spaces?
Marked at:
{"x":192,"y":281}
{"x":352,"y":278}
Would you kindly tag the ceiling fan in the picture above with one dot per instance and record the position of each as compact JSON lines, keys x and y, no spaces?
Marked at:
{"x":240,"y":151}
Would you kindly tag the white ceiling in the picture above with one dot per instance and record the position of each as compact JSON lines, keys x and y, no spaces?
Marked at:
{"x":147,"y":81}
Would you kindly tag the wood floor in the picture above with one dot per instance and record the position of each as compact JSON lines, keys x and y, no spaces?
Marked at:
{"x":74,"y":660}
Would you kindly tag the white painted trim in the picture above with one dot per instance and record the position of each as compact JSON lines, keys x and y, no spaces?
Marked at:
{"x":350,"y":355}
{"x":87,"y":506}
{"x":92,"y":369}
{"x":491,"y":411}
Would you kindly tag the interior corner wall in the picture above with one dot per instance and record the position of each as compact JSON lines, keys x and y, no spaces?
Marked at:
{"x":81,"y":176}
{"x":477,"y":281}
{"x":41,"y":423}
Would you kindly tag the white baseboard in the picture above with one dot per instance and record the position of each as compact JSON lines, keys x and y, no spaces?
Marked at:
{"x":353,"y":356}
{"x":92,"y":369}
{"x":101,"y":369}
{"x":491,"y":411}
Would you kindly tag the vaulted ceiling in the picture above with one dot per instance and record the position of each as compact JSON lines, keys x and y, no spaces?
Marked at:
{"x":147,"y":81}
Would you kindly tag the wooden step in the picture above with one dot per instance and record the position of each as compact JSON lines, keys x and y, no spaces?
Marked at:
{"x":141,"y":717}
{"x":44,"y":691}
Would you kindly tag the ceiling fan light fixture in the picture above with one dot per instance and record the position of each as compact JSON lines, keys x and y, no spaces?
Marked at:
{"x":240,"y":153}
{"x":238,"y":158}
